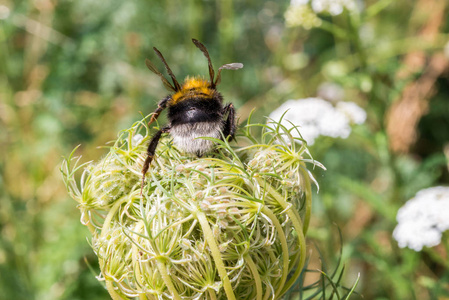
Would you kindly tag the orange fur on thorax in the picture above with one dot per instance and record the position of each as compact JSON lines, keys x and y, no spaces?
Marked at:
{"x":193,"y":87}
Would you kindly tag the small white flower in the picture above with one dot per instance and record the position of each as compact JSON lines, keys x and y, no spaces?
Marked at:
{"x":4,"y":12}
{"x":354,"y":112}
{"x":298,"y":2}
{"x":301,"y":15}
{"x":304,"y":12}
{"x":205,"y":205}
{"x":137,"y":139}
{"x":185,"y":244}
{"x":333,"y":7}
{"x":317,"y":117}
{"x":423,"y":219}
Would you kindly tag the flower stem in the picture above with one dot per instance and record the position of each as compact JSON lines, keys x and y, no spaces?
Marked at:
{"x":256,"y":276}
{"x":209,"y":237}
{"x":114,"y":295}
{"x":308,"y":203}
{"x":283,"y":240}
{"x":296,"y":220}
{"x":107,"y":222}
{"x":212,"y":294}
{"x":167,"y":279}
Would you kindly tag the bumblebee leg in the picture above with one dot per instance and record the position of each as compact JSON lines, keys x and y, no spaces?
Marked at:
{"x":160,"y":107}
{"x":151,"y":150}
{"x":230,"y":127}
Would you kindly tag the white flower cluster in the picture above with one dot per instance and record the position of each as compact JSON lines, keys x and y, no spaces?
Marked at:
{"x":317,"y":117}
{"x":333,"y":7}
{"x":302,"y":13}
{"x":423,"y":219}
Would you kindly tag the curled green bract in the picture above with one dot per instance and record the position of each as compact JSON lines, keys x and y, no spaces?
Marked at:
{"x":227,"y":226}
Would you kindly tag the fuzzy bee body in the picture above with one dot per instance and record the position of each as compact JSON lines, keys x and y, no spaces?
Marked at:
{"x":188,"y":137}
{"x":195,"y":110}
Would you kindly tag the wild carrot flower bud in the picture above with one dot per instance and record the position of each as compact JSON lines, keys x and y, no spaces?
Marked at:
{"x":227,"y":226}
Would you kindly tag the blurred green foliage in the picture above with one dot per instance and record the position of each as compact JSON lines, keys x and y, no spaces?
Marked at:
{"x":73,"y":72}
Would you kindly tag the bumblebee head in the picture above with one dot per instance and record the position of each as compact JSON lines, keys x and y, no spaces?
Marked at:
{"x":192,"y":85}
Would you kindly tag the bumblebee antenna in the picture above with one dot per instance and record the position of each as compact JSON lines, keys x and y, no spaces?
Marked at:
{"x":177,"y":87}
{"x":203,"y":49}
{"x":232,"y":66}
{"x":153,"y":69}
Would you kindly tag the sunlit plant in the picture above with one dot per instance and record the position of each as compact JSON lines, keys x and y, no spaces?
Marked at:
{"x":230,"y":225}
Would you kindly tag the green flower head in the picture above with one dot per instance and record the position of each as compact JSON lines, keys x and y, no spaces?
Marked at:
{"x":230,"y":225}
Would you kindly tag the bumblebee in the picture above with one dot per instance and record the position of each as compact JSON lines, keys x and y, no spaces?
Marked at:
{"x":195,"y":110}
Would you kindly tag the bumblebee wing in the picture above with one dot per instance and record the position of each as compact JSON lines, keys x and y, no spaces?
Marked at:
{"x":203,"y":49}
{"x":232,"y":66}
{"x":156,"y":71}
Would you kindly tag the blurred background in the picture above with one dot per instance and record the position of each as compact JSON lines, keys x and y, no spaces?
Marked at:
{"x":73,"y":72}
